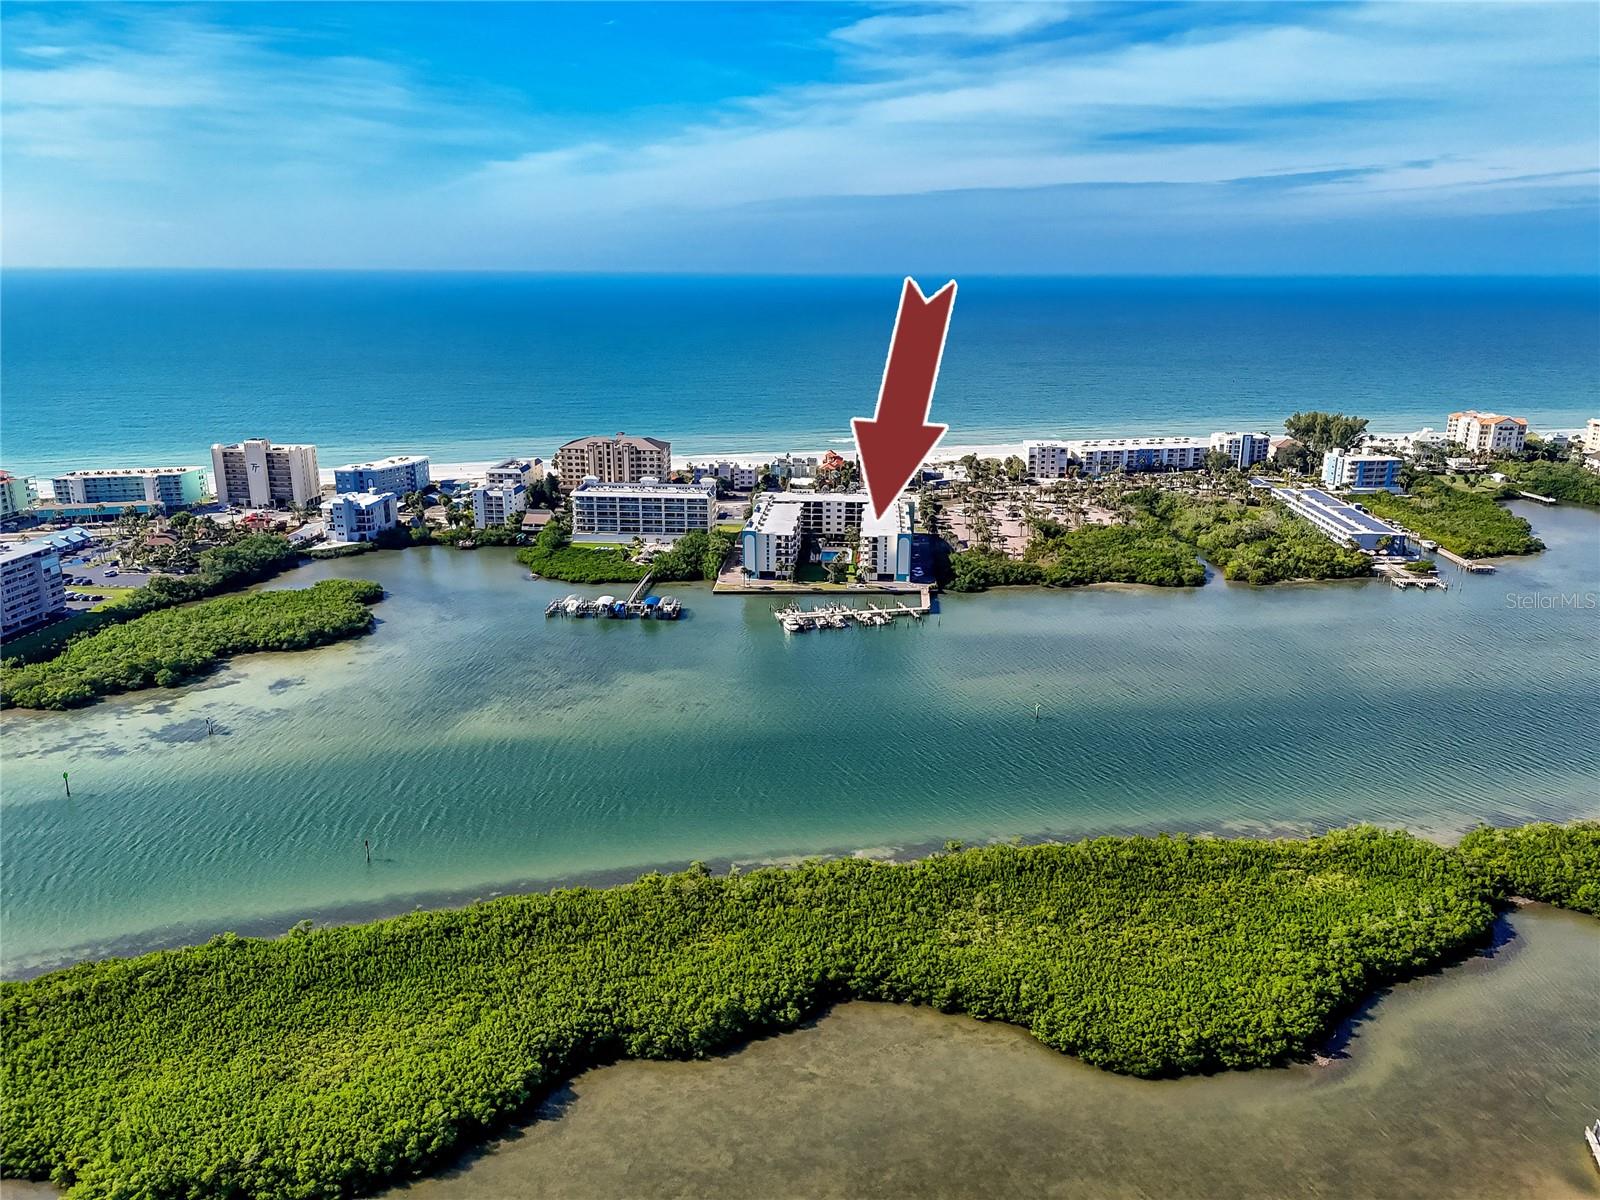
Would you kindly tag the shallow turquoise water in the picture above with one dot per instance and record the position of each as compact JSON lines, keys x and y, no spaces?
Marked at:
{"x":477,"y":744}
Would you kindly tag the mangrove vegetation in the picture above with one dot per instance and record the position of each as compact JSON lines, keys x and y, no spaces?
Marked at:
{"x":334,"y":1061}
{"x":167,"y":646}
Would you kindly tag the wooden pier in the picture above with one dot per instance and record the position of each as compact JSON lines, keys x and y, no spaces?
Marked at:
{"x":795,"y":619}
{"x":1402,"y":578}
{"x":1466,"y":564}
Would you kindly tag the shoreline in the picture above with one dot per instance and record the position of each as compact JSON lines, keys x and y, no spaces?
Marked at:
{"x":276,"y":925}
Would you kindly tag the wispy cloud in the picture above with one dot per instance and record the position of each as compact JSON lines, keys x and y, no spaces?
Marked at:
{"x":161,"y":136}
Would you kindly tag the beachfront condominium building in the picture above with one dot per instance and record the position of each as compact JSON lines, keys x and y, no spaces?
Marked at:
{"x":1244,"y":450}
{"x":514,"y":472}
{"x":791,"y":465}
{"x":16,"y":497}
{"x":646,"y":509}
{"x":784,"y":522}
{"x":361,"y":516}
{"x":1487,"y":433}
{"x":255,"y":473}
{"x":620,"y":459}
{"x":137,"y":489}
{"x":1591,"y":436}
{"x":496,"y":503}
{"x":1048,"y":460}
{"x":31,"y":587}
{"x":1361,"y":472}
{"x":399,"y":473}
{"x":1099,"y":456}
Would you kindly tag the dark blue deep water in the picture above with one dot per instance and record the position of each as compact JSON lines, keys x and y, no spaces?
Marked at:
{"x":103,"y":368}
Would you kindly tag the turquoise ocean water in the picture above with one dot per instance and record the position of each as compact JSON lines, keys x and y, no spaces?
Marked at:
{"x":117,"y":368}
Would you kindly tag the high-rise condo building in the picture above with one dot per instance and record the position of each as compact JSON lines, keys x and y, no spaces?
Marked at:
{"x":255,"y":473}
{"x":1487,"y":433}
{"x":620,"y":459}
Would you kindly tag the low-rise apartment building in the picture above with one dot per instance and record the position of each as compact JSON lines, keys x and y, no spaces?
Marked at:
{"x":141,"y":489}
{"x":620,"y":459}
{"x":399,"y":473}
{"x":256,"y":473}
{"x":1346,"y":523}
{"x":1487,"y":433}
{"x":1361,"y":472}
{"x":1244,"y":450}
{"x":646,"y":509}
{"x":31,"y":588}
{"x":361,"y":516}
{"x":1098,"y":456}
{"x":783,"y":522}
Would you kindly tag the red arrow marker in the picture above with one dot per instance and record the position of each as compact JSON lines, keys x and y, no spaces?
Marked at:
{"x":898,"y":437}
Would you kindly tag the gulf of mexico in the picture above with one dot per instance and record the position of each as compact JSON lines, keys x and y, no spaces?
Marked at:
{"x":125,"y":368}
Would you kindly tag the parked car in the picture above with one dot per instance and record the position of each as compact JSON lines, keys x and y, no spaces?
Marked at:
{"x":110,"y":572}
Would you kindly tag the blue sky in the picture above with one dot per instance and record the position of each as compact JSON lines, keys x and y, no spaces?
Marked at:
{"x":995,"y":137}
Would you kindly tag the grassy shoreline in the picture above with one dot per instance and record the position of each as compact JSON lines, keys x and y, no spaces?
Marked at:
{"x":337,"y":1060}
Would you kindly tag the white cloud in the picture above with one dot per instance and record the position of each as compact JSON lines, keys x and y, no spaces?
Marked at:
{"x":225,"y":147}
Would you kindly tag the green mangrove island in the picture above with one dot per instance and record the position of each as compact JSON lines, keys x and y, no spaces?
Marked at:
{"x":334,"y":1061}
{"x":168,"y":645}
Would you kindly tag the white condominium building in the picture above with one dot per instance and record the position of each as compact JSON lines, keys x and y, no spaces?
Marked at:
{"x":399,"y":473}
{"x":1097,"y":456}
{"x":1047,"y":460}
{"x":1486,"y":433}
{"x":495,"y":503}
{"x":1244,"y":450}
{"x":361,"y":516}
{"x":646,"y":509}
{"x":620,"y":459}
{"x":783,"y":521}
{"x":257,"y":474}
{"x":514,"y":472}
{"x":31,"y":589}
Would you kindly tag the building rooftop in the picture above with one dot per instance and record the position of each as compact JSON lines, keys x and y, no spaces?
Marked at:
{"x":1340,"y":513}
{"x":1491,"y":418}
{"x":394,"y":460}
{"x":65,"y":539}
{"x":85,"y":474}
{"x":620,"y":439}
{"x":1159,"y":443}
{"x":645,"y":487}
{"x":365,"y":499}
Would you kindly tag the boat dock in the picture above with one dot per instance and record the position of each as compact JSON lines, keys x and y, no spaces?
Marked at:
{"x":1466,"y":564}
{"x":795,"y":619}
{"x":638,"y":604}
{"x":1537,"y":497}
{"x":1402,"y":578}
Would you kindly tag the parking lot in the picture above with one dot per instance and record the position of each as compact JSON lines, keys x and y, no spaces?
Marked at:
{"x":94,"y":577}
